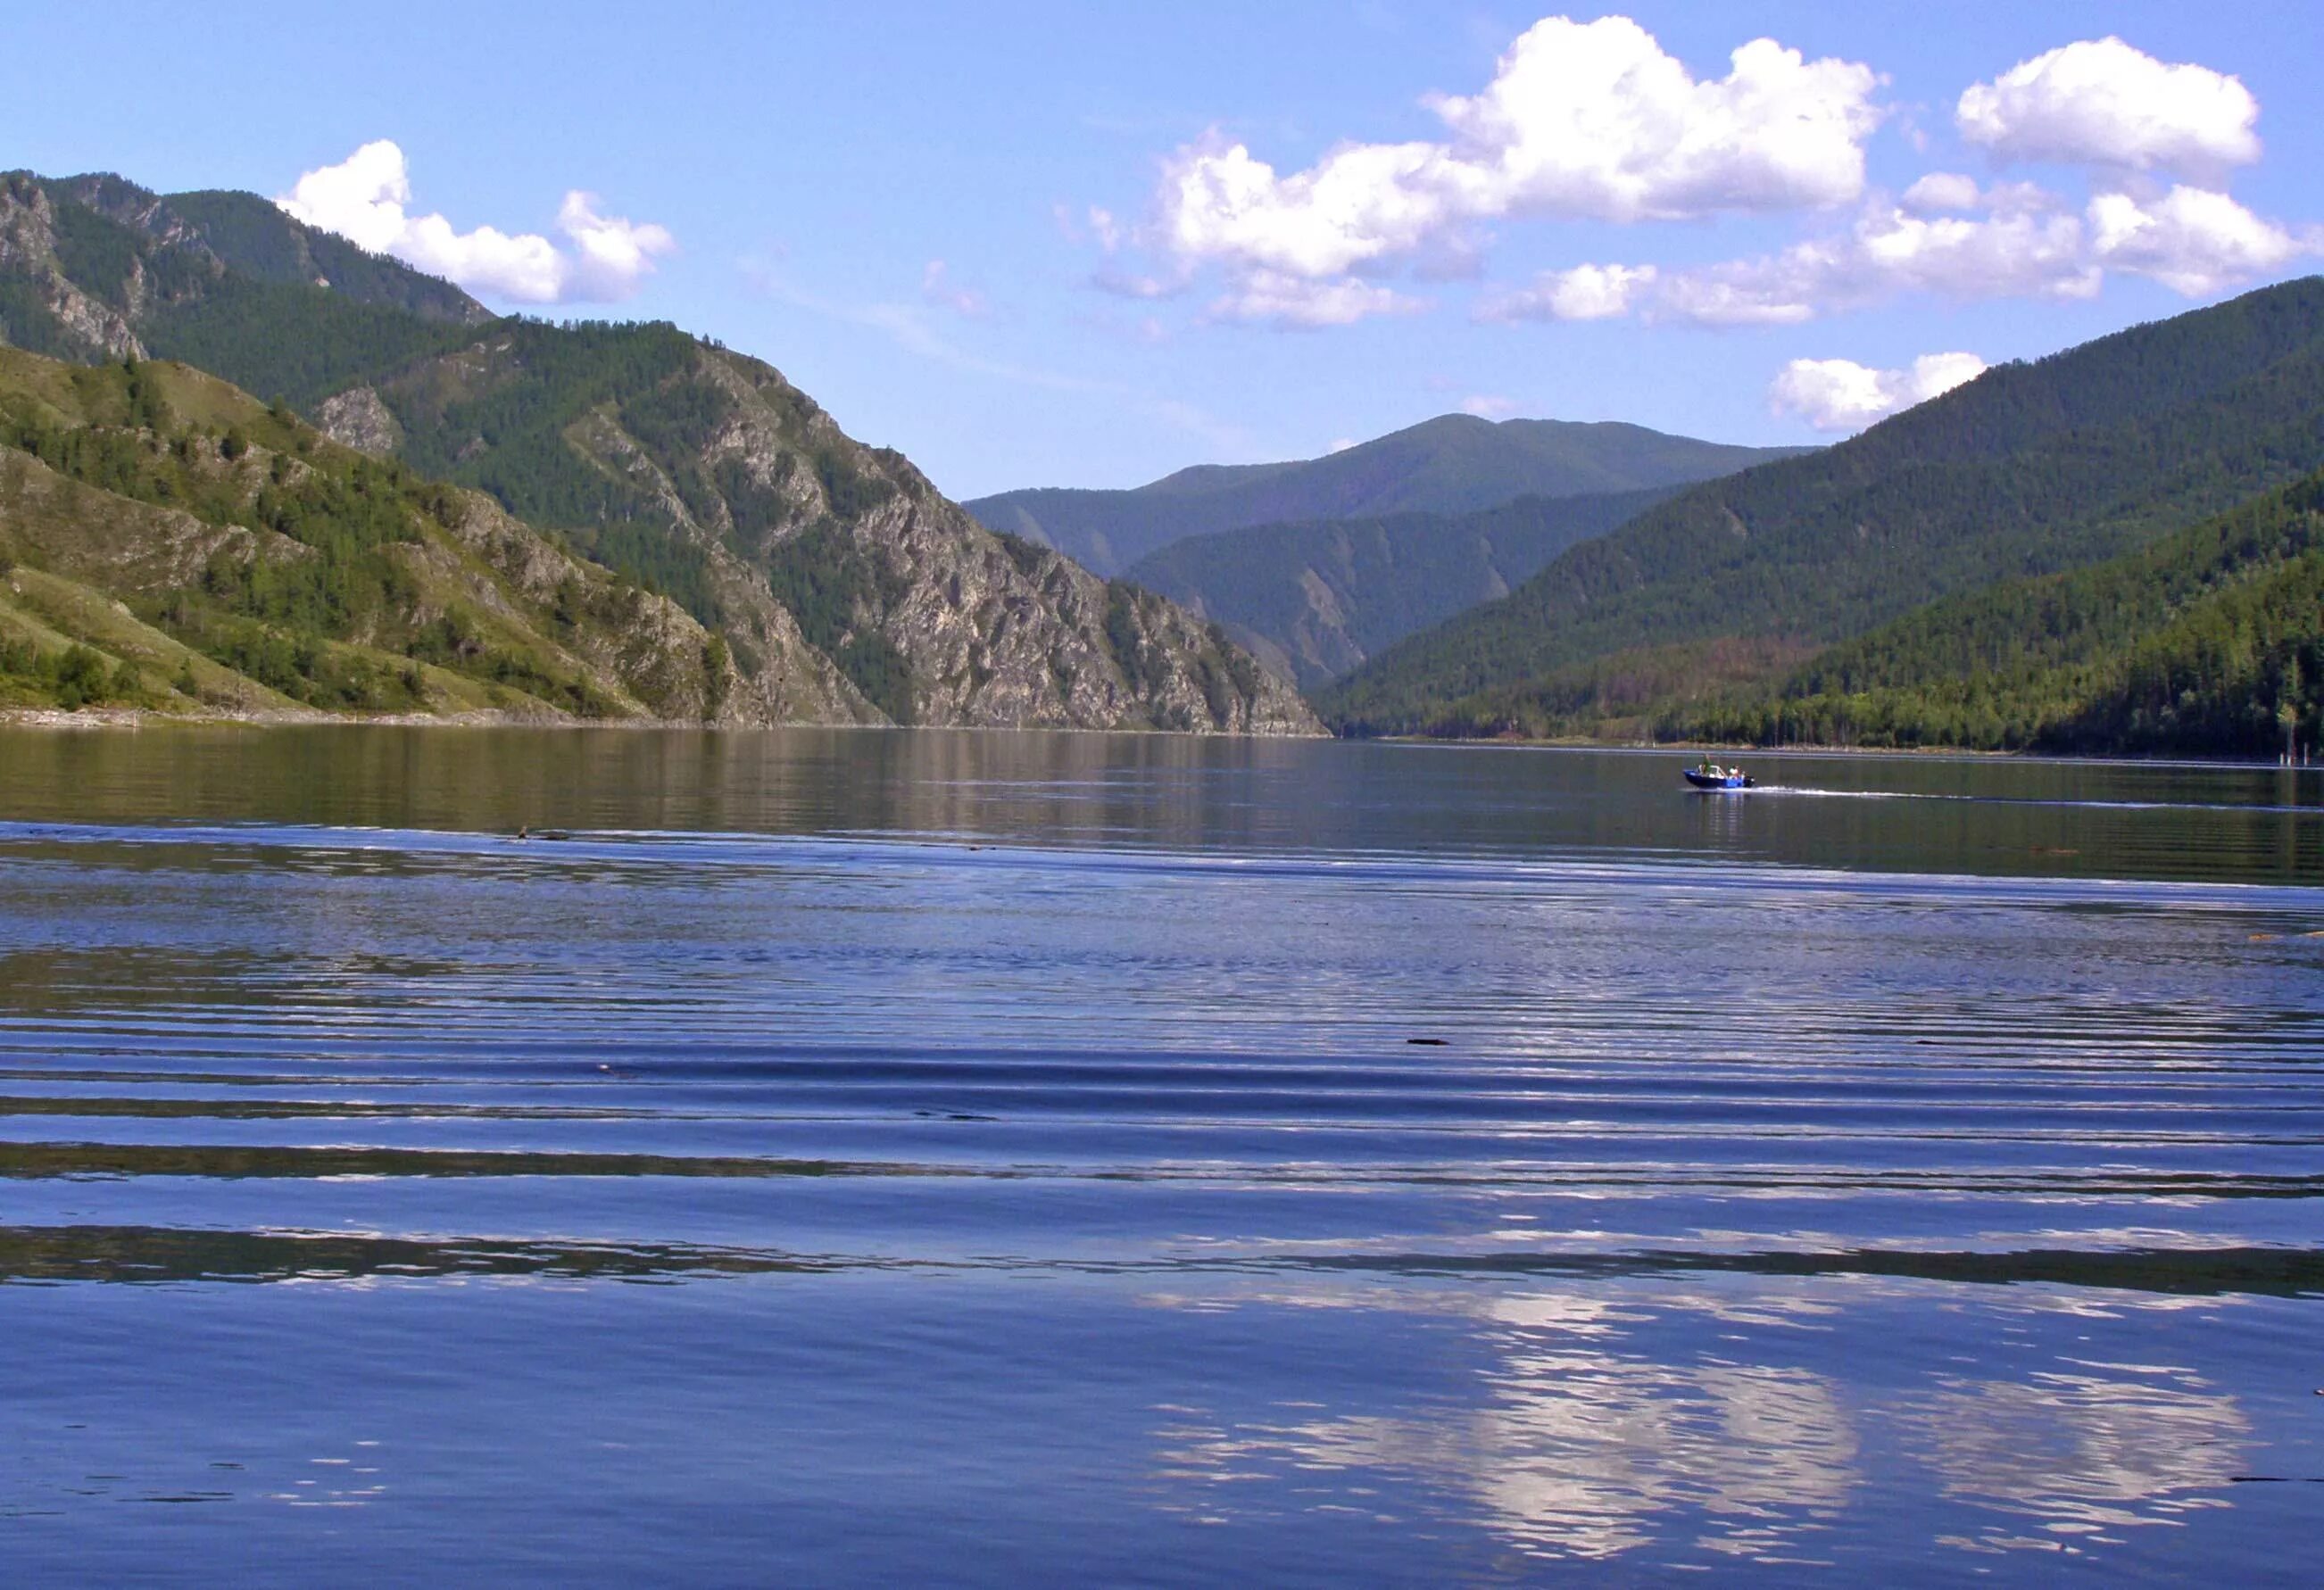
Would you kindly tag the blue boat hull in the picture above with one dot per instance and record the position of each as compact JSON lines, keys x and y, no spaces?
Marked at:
{"x":1727,"y":781}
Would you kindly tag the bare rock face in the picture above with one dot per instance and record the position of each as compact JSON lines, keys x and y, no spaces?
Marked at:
{"x":932,"y":618}
{"x":86,"y":326}
{"x":653,"y":648}
{"x":358,"y":419}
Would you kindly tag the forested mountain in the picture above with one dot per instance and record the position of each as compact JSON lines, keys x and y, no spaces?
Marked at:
{"x":2210,"y":642}
{"x":1456,"y":463}
{"x":688,"y":468}
{"x":1314,"y":600}
{"x":168,"y":541}
{"x":2030,"y":469}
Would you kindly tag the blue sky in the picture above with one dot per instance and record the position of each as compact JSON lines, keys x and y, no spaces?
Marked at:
{"x":788,"y":179}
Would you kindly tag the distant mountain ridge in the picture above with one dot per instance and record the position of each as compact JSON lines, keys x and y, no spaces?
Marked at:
{"x":2030,"y":469}
{"x":668,"y":459}
{"x":1314,"y":600}
{"x":1451,"y":464}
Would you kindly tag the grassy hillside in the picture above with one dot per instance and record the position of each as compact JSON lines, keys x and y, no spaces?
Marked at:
{"x":1453,"y":464}
{"x":168,"y":541}
{"x":2030,"y":469}
{"x":1315,"y":599}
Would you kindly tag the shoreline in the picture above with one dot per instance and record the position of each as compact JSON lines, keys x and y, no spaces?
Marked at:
{"x":95,"y":718}
{"x":90,"y":720}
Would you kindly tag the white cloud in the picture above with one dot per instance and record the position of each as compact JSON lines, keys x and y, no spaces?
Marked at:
{"x":612,"y":253}
{"x":1490,"y":408}
{"x":937,"y":287}
{"x":2021,"y":251}
{"x":2020,"y":242}
{"x":1840,"y":394}
{"x":1581,"y":120}
{"x":1939,"y":193}
{"x":2101,"y":102}
{"x":2192,"y":240}
{"x":1340,"y":445}
{"x":1586,"y":292}
{"x":363,"y":200}
{"x":1278,"y":299}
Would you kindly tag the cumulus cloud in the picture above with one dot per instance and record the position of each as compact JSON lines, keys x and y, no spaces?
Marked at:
{"x":1586,"y":292}
{"x":1486,"y":406}
{"x":1581,"y":120}
{"x":2100,"y":102}
{"x":365,"y":199}
{"x":2192,"y":240}
{"x":2019,"y":242}
{"x":1840,"y":394}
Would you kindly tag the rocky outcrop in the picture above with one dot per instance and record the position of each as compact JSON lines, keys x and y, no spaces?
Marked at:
{"x":68,"y":320}
{"x":358,"y":419}
{"x":652,"y":646}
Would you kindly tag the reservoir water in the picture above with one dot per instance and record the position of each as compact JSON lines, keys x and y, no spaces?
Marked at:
{"x":910,"y":1157}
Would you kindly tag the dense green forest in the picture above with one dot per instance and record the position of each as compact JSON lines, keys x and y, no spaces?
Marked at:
{"x":2208,"y":643}
{"x":2031,"y":469}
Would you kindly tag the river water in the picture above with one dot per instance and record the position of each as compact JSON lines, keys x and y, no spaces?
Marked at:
{"x":911,"y":1157}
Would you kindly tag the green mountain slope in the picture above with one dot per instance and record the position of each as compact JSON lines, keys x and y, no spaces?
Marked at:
{"x":1454,"y":463}
{"x":688,"y":468}
{"x":167,"y":541}
{"x":2210,"y":642}
{"x":1314,"y":600}
{"x":2032,"y":468}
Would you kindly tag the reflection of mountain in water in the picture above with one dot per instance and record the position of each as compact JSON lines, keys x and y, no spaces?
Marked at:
{"x":154,"y":1253}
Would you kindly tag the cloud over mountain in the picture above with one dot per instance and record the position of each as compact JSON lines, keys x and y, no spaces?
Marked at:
{"x":1840,"y":394}
{"x":365,"y":199}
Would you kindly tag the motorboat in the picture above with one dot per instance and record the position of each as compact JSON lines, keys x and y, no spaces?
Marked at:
{"x":1711,"y":775}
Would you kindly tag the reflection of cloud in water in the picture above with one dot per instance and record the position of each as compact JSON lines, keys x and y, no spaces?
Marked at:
{"x":2082,"y":1452}
{"x":1580,"y":1450}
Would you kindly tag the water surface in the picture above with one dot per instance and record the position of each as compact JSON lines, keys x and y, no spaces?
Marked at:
{"x":883,"y":1156}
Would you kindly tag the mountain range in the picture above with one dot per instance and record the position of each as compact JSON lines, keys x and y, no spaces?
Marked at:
{"x":1729,"y":587}
{"x":1456,"y":463}
{"x":245,"y":466}
{"x":836,"y":582}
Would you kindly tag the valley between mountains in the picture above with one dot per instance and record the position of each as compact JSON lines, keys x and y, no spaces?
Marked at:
{"x":246,"y":467}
